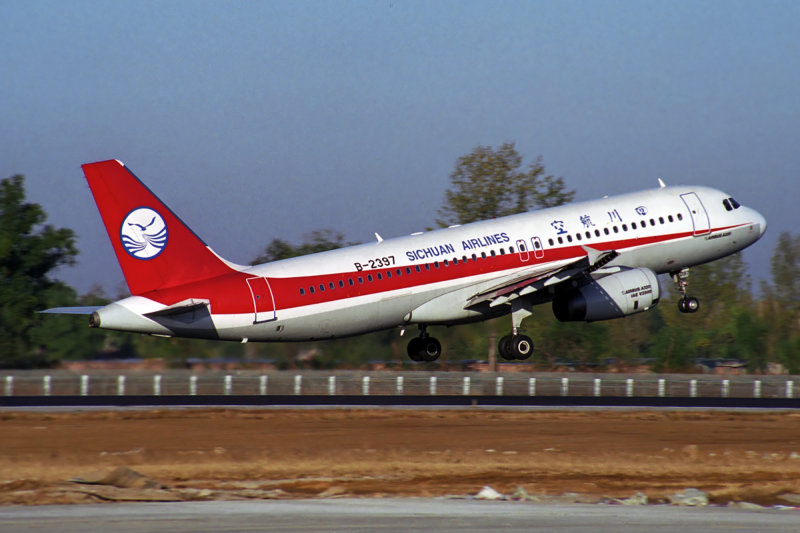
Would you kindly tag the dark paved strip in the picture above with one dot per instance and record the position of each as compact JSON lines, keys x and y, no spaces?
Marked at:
{"x":394,"y":401}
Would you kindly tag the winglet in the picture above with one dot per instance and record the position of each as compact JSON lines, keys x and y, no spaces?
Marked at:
{"x":661,"y":183}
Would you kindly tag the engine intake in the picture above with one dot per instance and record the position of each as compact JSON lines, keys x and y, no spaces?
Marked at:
{"x":613,"y":296}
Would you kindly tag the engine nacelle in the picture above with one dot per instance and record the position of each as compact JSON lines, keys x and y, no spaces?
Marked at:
{"x":613,"y":296}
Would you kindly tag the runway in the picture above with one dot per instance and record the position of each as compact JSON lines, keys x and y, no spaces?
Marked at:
{"x":389,"y":516}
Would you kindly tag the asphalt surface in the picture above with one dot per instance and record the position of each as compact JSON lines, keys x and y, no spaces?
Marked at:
{"x":395,"y":401}
{"x":390,"y":516}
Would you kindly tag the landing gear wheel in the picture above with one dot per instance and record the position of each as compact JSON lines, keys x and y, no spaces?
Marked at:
{"x":424,"y":349}
{"x":521,"y":346}
{"x":414,"y":349}
{"x":688,"y":304}
{"x":504,"y":348}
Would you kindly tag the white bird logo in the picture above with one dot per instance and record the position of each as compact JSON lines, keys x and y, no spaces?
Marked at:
{"x":143,"y":233}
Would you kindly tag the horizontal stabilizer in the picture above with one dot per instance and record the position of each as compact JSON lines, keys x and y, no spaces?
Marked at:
{"x":184,"y":306}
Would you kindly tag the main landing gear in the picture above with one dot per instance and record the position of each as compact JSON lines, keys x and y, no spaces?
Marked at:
{"x":516,"y":345}
{"x":424,"y":348}
{"x":686,"y":304}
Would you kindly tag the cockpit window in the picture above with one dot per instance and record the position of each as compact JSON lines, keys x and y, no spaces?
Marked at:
{"x":730,"y":204}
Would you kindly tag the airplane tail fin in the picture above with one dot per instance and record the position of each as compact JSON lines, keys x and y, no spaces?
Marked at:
{"x":155,"y":249}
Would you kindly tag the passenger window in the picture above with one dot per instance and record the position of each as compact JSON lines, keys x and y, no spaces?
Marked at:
{"x":616,"y":229}
{"x":493,"y":253}
{"x":302,"y":291}
{"x":560,"y":240}
{"x":680,"y":216}
{"x":511,"y":249}
{"x":502,"y":251}
{"x":624,"y":227}
{"x":588,"y":235}
{"x":341,"y":284}
{"x":652,"y":222}
{"x":436,"y":264}
{"x":427,"y":266}
{"x":633,"y":225}
{"x":670,"y":218}
{"x":311,"y":289}
{"x":369,"y":278}
{"x":597,"y":233}
{"x":331,"y":286}
{"x":360,"y":280}
{"x":474,"y":257}
{"x":605,"y":230}
{"x":388,"y":274}
{"x":660,"y":220}
{"x":483,"y":255}
{"x":321,"y":287}
{"x":380,"y":277}
{"x":550,"y":242}
{"x":350,"y":281}
{"x":578,"y":236}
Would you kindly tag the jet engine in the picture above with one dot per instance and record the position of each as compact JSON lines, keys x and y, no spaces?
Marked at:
{"x":613,"y":296}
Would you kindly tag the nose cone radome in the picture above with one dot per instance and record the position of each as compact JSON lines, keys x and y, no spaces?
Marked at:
{"x":760,"y":221}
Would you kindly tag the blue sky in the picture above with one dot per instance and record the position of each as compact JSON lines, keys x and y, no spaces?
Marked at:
{"x":257,"y":120}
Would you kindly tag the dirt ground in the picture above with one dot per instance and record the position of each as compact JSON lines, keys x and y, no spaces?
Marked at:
{"x":246,"y":453}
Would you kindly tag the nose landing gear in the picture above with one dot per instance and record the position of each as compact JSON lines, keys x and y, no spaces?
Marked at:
{"x":686,"y":303}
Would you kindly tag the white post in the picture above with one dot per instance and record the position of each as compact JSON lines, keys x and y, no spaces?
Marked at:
{"x":157,"y":385}
{"x":629,"y":387}
{"x":193,"y":386}
{"x":46,"y":385}
{"x":466,"y":386}
{"x":298,"y":383}
{"x":120,"y":385}
{"x":693,"y":388}
{"x":332,"y":385}
{"x":433,"y":386}
{"x":531,"y":386}
{"x":757,"y":388}
{"x":726,"y":387}
{"x":228,"y":384}
{"x":400,"y":385}
{"x":662,"y":387}
{"x":262,"y":385}
{"x":564,"y":386}
{"x":597,"y":385}
{"x":9,"y":385}
{"x":84,"y":385}
{"x":365,"y":386}
{"x":498,"y":387}
{"x":790,"y":389}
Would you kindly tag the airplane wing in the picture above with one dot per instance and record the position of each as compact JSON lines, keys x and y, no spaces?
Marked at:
{"x":191,"y":304}
{"x":87,"y":310}
{"x":529,"y":282}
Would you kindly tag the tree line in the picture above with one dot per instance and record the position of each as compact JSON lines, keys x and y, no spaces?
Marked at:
{"x":734,"y":324}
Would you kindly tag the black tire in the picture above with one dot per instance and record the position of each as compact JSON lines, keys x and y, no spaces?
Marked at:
{"x":521,"y":347}
{"x":430,"y":349}
{"x":414,"y":349}
{"x":692,"y":304}
{"x":504,"y":348}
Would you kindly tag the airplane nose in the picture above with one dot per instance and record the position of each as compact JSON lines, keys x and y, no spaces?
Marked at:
{"x":760,"y":221}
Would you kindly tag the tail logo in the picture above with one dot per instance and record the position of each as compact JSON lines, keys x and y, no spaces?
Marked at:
{"x":143,"y":233}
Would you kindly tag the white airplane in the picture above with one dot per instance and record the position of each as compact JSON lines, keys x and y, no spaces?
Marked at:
{"x":592,"y":260}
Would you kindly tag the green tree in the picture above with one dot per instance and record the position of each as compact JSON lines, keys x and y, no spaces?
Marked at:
{"x":29,"y":252}
{"x":781,"y":305}
{"x":316,"y":241}
{"x":489,"y":183}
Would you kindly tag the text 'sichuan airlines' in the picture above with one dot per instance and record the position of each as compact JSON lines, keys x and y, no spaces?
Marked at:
{"x":591,"y":261}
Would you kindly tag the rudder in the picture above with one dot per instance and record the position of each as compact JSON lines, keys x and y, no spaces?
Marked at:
{"x":155,"y":249}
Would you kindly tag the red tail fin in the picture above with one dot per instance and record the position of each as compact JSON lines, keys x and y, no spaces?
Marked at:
{"x":154,"y":247}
